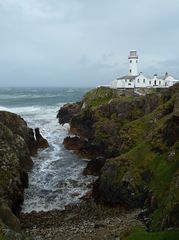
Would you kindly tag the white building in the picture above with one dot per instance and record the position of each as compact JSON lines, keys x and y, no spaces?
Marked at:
{"x":135,"y":80}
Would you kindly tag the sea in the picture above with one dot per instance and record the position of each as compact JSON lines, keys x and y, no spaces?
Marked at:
{"x":56,"y":179}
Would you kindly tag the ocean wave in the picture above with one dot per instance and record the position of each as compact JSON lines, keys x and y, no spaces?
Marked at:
{"x":56,"y":178}
{"x":4,"y":108}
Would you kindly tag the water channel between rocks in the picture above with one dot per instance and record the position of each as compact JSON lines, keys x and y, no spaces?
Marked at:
{"x":56,"y":179}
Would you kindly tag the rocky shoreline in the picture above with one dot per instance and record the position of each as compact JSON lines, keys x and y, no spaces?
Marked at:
{"x":133,"y":143}
{"x":86,"y":220}
{"x":18,"y":143}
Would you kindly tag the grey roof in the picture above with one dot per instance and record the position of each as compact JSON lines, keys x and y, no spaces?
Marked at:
{"x":127,"y":77}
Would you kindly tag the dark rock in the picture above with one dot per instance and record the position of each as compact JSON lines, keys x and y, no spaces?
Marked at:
{"x":122,"y":193}
{"x":17,"y":143}
{"x":40,"y":141}
{"x":68,"y":111}
{"x":146,"y":175}
{"x":138,"y":137}
{"x":9,"y":218}
{"x":99,"y":225}
{"x":170,"y":132}
{"x":82,"y":124}
{"x":19,"y":127}
{"x":94,"y":166}
{"x":81,"y":146}
{"x":117,"y":185}
{"x":87,"y":196}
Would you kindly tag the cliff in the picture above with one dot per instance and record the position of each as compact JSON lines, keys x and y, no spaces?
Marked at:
{"x":17,"y":145}
{"x":134,"y":145}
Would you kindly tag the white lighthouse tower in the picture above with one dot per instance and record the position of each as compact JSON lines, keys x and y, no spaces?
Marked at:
{"x":133,"y":61}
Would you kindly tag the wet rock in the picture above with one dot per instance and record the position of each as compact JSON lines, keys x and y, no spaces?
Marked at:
{"x":87,"y":196}
{"x":40,"y":141}
{"x":80,"y":222}
{"x":19,"y":127}
{"x":94,"y":166}
{"x":16,"y":145}
{"x":81,"y":146}
{"x":99,"y":225}
{"x":66,"y":113}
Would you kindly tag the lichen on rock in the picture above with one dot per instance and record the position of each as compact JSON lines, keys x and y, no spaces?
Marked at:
{"x":17,"y":145}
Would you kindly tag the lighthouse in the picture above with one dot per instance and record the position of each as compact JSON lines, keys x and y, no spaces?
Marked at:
{"x":133,"y":61}
{"x":135,"y":80}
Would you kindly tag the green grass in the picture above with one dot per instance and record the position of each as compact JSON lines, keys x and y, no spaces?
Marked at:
{"x":102,"y":95}
{"x":141,"y":234}
{"x":98,"y":96}
{"x":141,"y":153}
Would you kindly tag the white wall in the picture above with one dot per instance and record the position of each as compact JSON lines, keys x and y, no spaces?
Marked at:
{"x":170,"y":81}
{"x":129,"y":83}
{"x":133,"y":68}
{"x":122,"y":83}
{"x":141,"y":81}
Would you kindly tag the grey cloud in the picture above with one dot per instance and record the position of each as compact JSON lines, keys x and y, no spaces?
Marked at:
{"x":77,"y":42}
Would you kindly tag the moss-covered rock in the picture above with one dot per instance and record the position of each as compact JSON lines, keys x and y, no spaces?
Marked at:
{"x":17,"y":143}
{"x":19,"y":127}
{"x":139,"y":138}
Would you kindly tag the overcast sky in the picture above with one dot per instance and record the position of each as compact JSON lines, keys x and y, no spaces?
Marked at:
{"x":85,"y":42}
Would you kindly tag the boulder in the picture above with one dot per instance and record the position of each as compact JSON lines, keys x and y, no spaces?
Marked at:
{"x":94,"y":166}
{"x":119,"y":186}
{"x":19,"y":127}
{"x":40,"y":141}
{"x":81,"y":147}
{"x":17,"y":143}
{"x":68,"y":111}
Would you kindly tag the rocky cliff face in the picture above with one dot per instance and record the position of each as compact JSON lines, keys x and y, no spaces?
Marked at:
{"x":138,"y":140}
{"x":17,"y":144}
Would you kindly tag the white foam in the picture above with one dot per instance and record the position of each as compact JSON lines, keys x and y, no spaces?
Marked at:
{"x":4,"y":109}
{"x":56,"y":179}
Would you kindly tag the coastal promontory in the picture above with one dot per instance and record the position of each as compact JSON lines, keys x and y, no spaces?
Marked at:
{"x":132,"y":142}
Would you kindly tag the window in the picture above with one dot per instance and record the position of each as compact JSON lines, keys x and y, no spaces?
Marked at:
{"x":159,"y":82}
{"x":136,"y":61}
{"x":130,"y":70}
{"x":125,"y":80}
{"x":143,"y":80}
{"x":150,"y":82}
{"x":130,"y":61}
{"x":138,"y":80}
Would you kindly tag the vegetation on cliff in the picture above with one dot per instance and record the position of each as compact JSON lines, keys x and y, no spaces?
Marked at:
{"x":139,"y":138}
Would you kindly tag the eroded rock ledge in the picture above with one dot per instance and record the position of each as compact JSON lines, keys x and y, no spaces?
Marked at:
{"x":17,"y":145}
{"x":136,"y":142}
